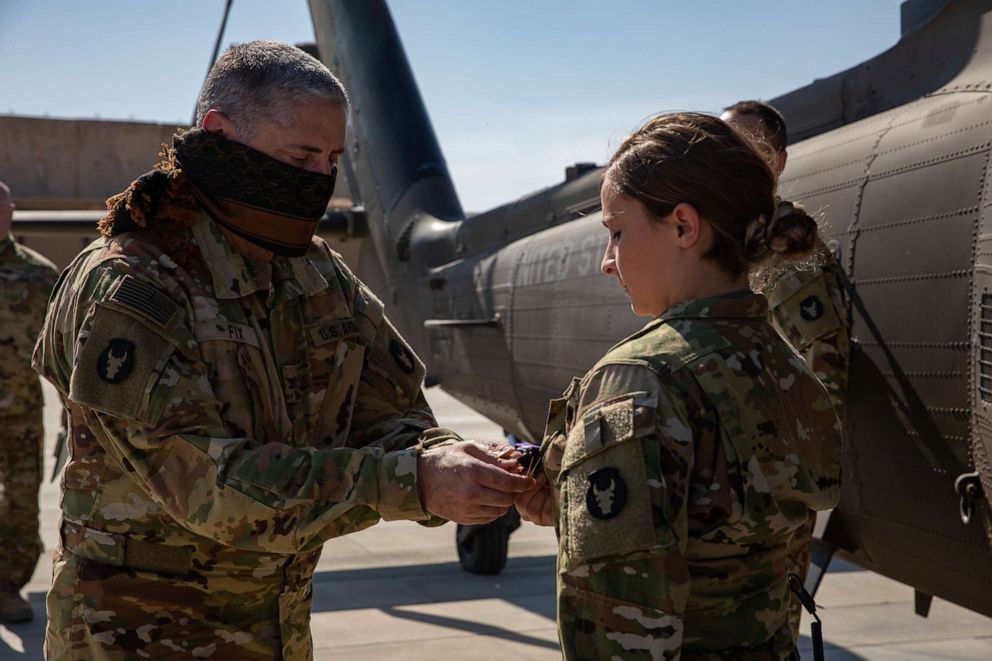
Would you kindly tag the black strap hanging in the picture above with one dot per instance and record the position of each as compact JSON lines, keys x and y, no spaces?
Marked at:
{"x":815,"y":627}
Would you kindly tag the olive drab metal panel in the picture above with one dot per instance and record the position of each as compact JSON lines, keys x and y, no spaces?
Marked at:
{"x":909,"y":222}
{"x":971,"y":485}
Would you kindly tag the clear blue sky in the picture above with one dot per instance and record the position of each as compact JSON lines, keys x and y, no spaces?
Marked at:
{"x":517,"y":89}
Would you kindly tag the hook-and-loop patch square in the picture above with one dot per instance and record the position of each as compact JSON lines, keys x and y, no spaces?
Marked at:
{"x":605,"y":494}
{"x":118,"y":365}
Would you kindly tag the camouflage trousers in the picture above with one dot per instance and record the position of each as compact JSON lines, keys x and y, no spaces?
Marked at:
{"x":797,"y":562}
{"x":217,"y":609}
{"x":21,"y":439}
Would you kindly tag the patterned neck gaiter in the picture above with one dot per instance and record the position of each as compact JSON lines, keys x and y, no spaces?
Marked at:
{"x":271,"y":204}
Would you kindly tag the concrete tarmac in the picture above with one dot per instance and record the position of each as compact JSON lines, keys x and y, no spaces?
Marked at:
{"x":396,"y":591}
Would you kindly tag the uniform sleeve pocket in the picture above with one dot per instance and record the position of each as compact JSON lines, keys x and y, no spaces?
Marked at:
{"x":810,"y":311}
{"x":606,"y":503}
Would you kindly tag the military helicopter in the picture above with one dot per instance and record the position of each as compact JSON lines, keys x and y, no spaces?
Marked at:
{"x":507,"y":306}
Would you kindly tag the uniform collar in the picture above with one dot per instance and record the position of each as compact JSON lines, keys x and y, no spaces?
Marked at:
{"x":295,"y":276}
{"x":740,"y":304}
{"x":234,"y":277}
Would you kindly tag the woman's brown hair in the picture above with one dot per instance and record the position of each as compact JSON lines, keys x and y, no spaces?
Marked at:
{"x":699,"y":159}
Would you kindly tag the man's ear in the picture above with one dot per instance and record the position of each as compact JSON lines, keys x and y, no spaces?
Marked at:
{"x":217,"y":122}
{"x":688,"y":224}
{"x":780,"y":159}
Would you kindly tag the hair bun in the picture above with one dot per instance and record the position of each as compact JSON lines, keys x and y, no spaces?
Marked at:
{"x":790,"y":232}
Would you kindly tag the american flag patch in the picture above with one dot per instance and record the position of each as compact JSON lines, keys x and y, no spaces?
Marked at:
{"x":145,"y":300}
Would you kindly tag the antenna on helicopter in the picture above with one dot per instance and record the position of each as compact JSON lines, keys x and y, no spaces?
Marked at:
{"x":213,"y":58}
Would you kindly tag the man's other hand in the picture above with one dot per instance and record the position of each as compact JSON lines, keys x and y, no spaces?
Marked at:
{"x":537,"y":503}
{"x":469,"y":482}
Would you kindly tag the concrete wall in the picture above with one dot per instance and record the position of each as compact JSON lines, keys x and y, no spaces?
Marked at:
{"x":79,"y":163}
{"x":55,"y":165}
{"x":61,"y":249}
{"x":60,"y":235}
{"x":74,"y":163}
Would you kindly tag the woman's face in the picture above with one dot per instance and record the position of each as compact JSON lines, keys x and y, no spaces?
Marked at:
{"x":643,"y":253}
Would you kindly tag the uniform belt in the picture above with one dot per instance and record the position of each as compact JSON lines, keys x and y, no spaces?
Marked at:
{"x":123,"y":551}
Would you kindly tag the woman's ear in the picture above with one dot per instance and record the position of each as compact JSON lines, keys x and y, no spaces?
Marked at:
{"x":688,"y":224}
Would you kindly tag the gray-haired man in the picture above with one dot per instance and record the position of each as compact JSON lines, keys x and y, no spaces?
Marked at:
{"x":236,"y":395}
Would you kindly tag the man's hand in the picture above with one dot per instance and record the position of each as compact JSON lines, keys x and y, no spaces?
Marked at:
{"x":537,"y":504}
{"x":469,"y":482}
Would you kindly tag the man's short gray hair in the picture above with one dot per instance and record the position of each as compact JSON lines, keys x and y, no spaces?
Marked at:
{"x":253,"y":81}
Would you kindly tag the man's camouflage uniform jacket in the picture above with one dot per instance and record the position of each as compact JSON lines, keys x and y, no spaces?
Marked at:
{"x":685,"y":459}
{"x":26,"y":280}
{"x":226,"y":419}
{"x":806,"y":307}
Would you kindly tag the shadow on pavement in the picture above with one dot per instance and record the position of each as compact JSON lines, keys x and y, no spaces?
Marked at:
{"x":472,"y":627}
{"x":25,"y":641}
{"x":526,"y":582}
{"x":841,"y":566}
{"x":831,"y":652}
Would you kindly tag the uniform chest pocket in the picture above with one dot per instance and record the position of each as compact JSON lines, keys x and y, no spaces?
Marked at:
{"x":232,"y":353}
{"x":606,"y":506}
{"x":337,"y":356}
{"x":236,"y":370}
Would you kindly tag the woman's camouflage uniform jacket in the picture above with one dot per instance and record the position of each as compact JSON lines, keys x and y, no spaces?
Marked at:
{"x":685,"y":459}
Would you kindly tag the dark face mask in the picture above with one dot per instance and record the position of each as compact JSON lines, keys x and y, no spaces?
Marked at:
{"x":271,"y":204}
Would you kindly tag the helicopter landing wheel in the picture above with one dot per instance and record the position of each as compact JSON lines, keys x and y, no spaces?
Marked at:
{"x":483,"y":549}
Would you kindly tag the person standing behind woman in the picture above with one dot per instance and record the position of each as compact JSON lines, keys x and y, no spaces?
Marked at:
{"x":685,"y":459}
{"x":805,"y":305}
{"x":804,"y":299}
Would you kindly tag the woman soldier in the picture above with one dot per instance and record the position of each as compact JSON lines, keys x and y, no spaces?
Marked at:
{"x":685,"y":459}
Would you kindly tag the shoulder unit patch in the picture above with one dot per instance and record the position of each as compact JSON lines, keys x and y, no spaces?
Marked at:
{"x":606,"y":494}
{"x":116,"y":360}
{"x":811,"y":308}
